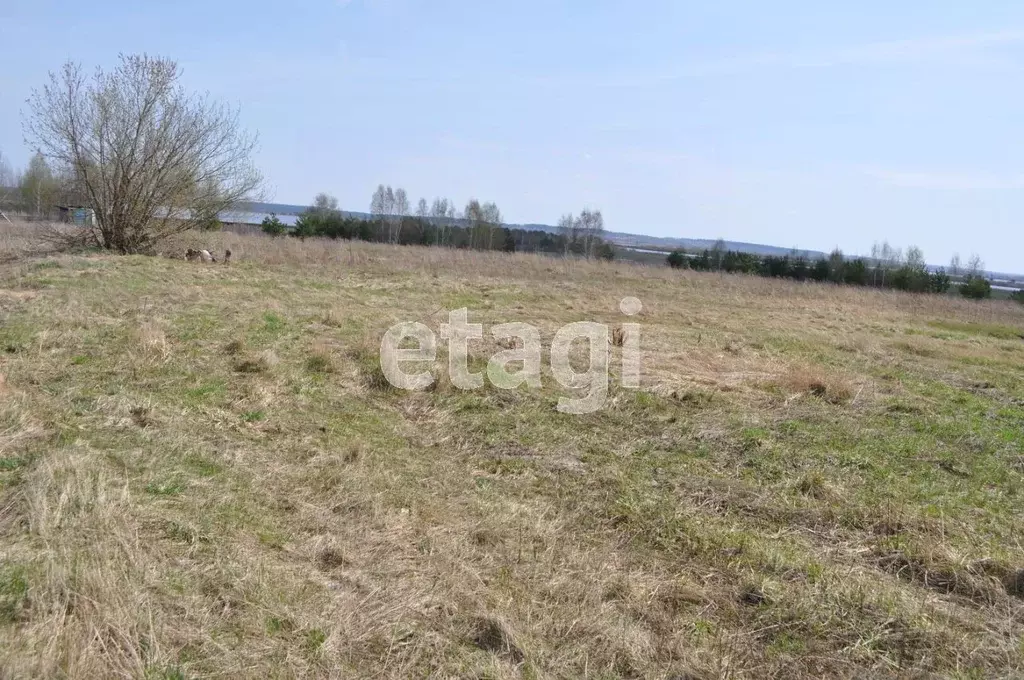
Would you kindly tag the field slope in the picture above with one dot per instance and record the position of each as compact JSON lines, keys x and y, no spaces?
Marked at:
{"x":203,"y":475}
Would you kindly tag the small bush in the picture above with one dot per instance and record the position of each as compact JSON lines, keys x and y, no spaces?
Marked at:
{"x":976,"y":288}
{"x":940,"y":282}
{"x":273,"y":226}
{"x":676,"y":259}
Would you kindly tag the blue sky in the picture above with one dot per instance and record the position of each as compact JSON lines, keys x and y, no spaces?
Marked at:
{"x":790,"y":123}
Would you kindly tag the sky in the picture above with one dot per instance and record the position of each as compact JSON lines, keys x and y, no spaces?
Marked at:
{"x":808,"y":124}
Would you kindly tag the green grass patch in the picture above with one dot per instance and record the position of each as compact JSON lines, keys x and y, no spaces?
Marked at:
{"x":984,"y":329}
{"x":13,"y":592}
{"x":273,"y":323}
{"x":166,"y":487}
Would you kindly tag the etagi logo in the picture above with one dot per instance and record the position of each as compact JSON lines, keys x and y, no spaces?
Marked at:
{"x":527,"y":354}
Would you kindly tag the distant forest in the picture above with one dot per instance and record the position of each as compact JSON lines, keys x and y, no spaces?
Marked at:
{"x":887,"y":268}
{"x":478,"y":227}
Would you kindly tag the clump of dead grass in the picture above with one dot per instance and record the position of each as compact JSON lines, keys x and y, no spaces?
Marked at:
{"x":320,"y":360}
{"x":940,"y":568}
{"x":365,"y":353}
{"x":259,"y":363}
{"x":495,"y":636}
{"x":334,"y":318}
{"x":153,"y":340}
{"x":802,"y":381}
{"x":234,"y":347}
{"x":252,"y":365}
{"x":815,"y":484}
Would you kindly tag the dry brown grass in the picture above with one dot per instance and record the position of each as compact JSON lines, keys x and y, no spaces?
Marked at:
{"x":830,"y":386}
{"x":203,"y":474}
{"x":17,"y":240}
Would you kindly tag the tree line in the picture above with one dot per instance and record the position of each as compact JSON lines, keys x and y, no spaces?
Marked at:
{"x":887,"y":267}
{"x":36,"y":190}
{"x":478,"y":226}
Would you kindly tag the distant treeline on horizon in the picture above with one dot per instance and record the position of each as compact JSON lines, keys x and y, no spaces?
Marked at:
{"x":445,"y":232}
{"x":896,"y":271}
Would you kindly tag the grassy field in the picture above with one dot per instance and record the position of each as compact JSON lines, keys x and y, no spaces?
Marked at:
{"x":202,"y":475}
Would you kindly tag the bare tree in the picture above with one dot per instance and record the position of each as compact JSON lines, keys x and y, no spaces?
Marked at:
{"x":491,"y":221}
{"x":378,"y":204}
{"x":439,"y":211}
{"x":893,"y":256}
{"x":151,"y":159}
{"x":422,"y":210}
{"x":975,"y":266}
{"x":836,"y":263}
{"x":567,"y":228}
{"x":439,"y":208}
{"x":389,"y":212}
{"x":955,"y":266}
{"x":401,"y":203}
{"x":453,"y":216}
{"x":474,"y":215}
{"x":491,"y":214}
{"x":8,"y":180}
{"x":399,"y":211}
{"x":915,"y":259}
{"x":596,"y":232}
{"x":7,"y":176}
{"x":591,"y":226}
{"x":39,"y":187}
{"x":886,"y":258}
{"x":718,"y":253}
{"x":325,"y":203}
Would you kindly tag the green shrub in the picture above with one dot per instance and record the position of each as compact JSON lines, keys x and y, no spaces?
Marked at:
{"x":976,"y":288}
{"x":676,"y":259}
{"x":855,"y":272}
{"x":940,"y":282}
{"x":273,"y":226}
{"x":306,"y":226}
